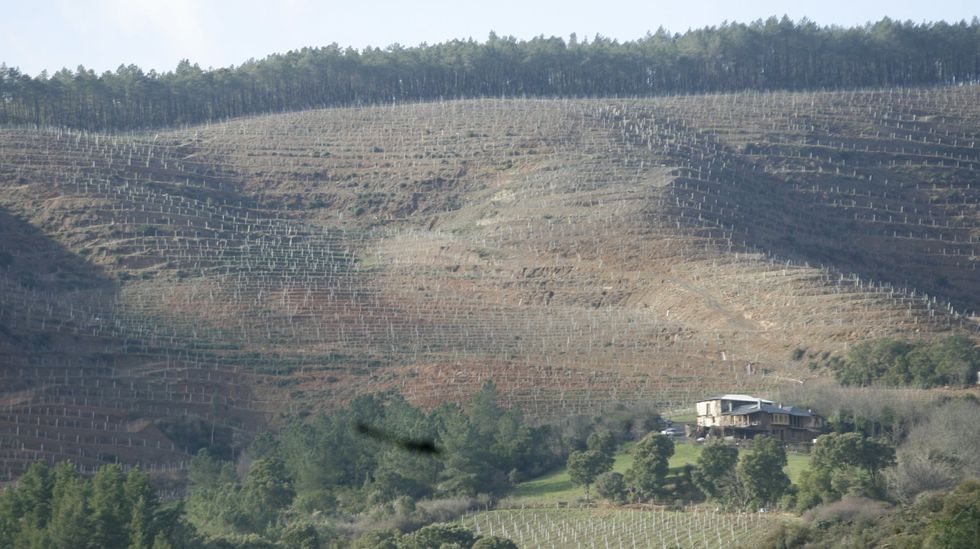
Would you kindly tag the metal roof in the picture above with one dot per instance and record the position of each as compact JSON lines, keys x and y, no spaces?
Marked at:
{"x":743,"y":398}
{"x":753,"y":408}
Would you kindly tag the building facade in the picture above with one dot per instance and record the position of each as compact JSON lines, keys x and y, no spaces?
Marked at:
{"x":745,"y":416}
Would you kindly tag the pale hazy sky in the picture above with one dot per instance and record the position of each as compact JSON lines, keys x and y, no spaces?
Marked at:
{"x":156,"y":34}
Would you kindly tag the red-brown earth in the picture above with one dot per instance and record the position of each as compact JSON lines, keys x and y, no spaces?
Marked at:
{"x":581,"y":254}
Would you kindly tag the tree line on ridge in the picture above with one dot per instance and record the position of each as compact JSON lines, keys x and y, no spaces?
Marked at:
{"x":762,"y":55}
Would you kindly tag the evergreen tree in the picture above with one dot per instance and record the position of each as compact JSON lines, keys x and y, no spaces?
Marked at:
{"x":516,"y":445}
{"x":299,"y":535}
{"x":30,"y":536}
{"x":70,"y":523}
{"x":611,"y":486}
{"x":34,"y":495}
{"x":109,"y":512}
{"x":8,"y":518}
{"x":776,"y":53}
{"x":468,"y":468}
{"x":204,"y":471}
{"x":584,"y":467}
{"x":760,"y":472}
{"x":714,"y":473}
{"x":484,"y":412}
{"x":951,"y":361}
{"x":141,"y":500}
{"x":161,"y":542}
{"x":378,"y":539}
{"x":651,"y":463}
{"x":603,"y":442}
{"x":140,"y":529}
{"x":841,"y":463}
{"x":403,"y":473}
{"x":440,"y":535}
{"x":266,"y":491}
{"x":494,"y":542}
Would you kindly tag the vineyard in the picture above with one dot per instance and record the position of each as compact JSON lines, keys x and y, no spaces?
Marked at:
{"x":697,"y":527}
{"x":582,"y":254}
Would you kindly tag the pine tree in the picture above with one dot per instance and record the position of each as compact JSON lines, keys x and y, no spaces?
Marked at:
{"x":109,"y":513}
{"x":34,"y":495}
{"x":139,"y":525}
{"x":141,"y":501}
{"x":70,"y":523}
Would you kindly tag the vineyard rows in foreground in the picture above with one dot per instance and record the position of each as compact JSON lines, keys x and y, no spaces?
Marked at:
{"x":697,"y":526}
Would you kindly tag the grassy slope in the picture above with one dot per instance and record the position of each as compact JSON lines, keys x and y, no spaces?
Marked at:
{"x":556,"y":486}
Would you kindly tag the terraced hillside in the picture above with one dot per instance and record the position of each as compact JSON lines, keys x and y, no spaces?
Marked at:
{"x":156,"y":288}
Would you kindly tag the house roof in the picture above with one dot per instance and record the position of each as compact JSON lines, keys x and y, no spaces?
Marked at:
{"x":746,"y":409}
{"x":745,"y":398}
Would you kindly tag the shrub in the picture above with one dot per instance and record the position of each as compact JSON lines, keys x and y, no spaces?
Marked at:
{"x":939,"y":452}
{"x":378,"y":539}
{"x":494,"y":542}
{"x":958,"y":525}
{"x":788,"y":533}
{"x":611,"y":486}
{"x":438,"y":535}
{"x":849,"y":509}
{"x":300,"y":536}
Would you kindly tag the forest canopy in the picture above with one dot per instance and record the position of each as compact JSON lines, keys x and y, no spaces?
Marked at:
{"x":952,"y":361}
{"x":762,"y":55}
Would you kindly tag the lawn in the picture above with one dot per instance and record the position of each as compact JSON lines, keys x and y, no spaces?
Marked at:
{"x":557,"y":486}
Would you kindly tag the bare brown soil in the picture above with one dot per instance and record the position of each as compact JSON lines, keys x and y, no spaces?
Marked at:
{"x":582,"y":254}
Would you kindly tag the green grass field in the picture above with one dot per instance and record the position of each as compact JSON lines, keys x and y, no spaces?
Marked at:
{"x":557,"y":486}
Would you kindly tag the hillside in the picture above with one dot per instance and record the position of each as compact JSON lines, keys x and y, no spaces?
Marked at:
{"x":162,"y":287}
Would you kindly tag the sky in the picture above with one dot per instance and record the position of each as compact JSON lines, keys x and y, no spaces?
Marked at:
{"x":38,"y":35}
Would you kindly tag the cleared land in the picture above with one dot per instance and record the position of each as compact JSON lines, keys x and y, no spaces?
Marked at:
{"x":581,"y":253}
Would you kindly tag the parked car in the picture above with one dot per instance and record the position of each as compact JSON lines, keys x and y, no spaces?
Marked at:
{"x":672,"y":432}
